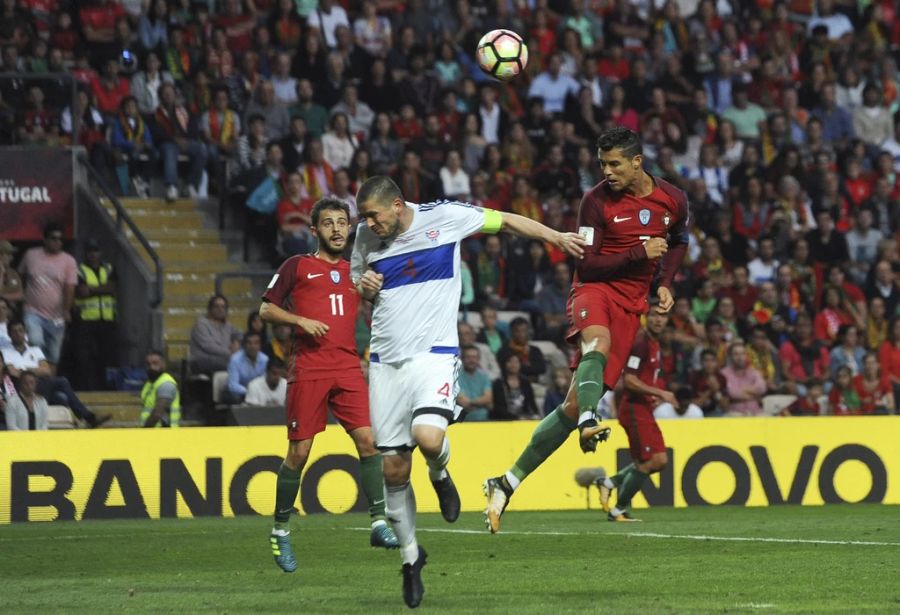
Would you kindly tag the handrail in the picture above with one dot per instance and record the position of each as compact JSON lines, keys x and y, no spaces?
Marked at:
{"x":122,"y":215}
{"x":263,"y":274}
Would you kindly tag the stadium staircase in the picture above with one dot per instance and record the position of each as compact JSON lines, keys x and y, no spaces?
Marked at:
{"x":192,"y":254}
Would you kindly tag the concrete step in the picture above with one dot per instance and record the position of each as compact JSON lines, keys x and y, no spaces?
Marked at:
{"x":180,"y":204}
{"x":189,"y":251}
{"x":176,"y":351}
{"x":114,"y":398}
{"x":201,"y":285}
{"x":200,"y":267}
{"x":148,"y":219}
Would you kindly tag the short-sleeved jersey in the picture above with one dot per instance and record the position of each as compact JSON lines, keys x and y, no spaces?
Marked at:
{"x":318,"y":290}
{"x":644,"y":362}
{"x":415,"y":311}
{"x":614,"y":222}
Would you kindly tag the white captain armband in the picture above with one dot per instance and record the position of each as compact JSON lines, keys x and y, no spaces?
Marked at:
{"x":634,"y":362}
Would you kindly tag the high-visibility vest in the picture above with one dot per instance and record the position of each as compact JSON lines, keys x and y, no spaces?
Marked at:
{"x":148,"y":397}
{"x":97,"y":307}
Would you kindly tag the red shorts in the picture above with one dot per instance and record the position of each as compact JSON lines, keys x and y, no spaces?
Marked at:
{"x":591,"y":305}
{"x":644,"y":436}
{"x":308,"y":402}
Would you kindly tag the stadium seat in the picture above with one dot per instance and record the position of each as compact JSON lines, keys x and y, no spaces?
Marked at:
{"x":472,"y":318}
{"x":507,"y":316}
{"x":773,"y":404}
{"x":60,"y":417}
{"x":555,"y":356}
{"x":540,"y":392}
{"x":219,"y":382}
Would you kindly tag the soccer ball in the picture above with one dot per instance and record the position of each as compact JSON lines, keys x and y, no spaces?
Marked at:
{"x":502,"y":54}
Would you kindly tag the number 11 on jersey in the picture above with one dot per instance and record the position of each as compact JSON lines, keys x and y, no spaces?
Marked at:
{"x":337,"y":304}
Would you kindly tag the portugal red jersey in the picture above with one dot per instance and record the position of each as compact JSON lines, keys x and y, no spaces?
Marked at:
{"x":318,"y":290}
{"x":615,"y":226}
{"x":643,"y":362}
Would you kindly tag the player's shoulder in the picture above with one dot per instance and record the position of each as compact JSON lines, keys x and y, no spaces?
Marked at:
{"x":672,"y":191}
{"x":600,"y":194}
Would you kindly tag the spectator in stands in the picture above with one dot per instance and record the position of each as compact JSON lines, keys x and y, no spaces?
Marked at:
{"x":744,"y":385}
{"x":714,"y":340}
{"x":275,"y":113}
{"x":220,"y":128}
{"x":251,"y":146}
{"x":884,"y":284}
{"x":889,"y":356}
{"x":243,"y":366}
{"x":132,"y":146}
{"x":152,"y":26}
{"x":160,"y":400}
{"x":512,"y":393}
{"x":317,"y":173}
{"x":874,"y":388}
{"x":555,"y":176}
{"x":49,"y":276}
{"x":872,"y":122}
{"x":95,"y":335}
{"x":475,"y":389}
{"x":684,"y":409}
{"x":809,"y":403}
{"x":837,"y":123}
{"x":270,"y":389}
{"x":145,"y":84}
{"x":552,"y":86}
{"x":328,"y":16}
{"x":283,"y":84}
{"x":39,"y":126}
{"x":763,"y":356}
{"x":491,"y":333}
{"x":26,"y":410}
{"x":255,"y":324}
{"x":529,"y":271}
{"x":213,"y":339}
{"x":551,"y":304}
{"x":803,"y":357}
{"x":876,"y":330}
{"x":741,"y":291}
{"x":847,"y":352}
{"x":174,"y":136}
{"x":315,"y":115}
{"x":835,"y":311}
{"x":293,"y":215}
{"x":454,"y":179}
{"x":5,"y":315}
{"x":294,"y":145}
{"x":748,"y":117}
{"x":10,"y":282}
{"x":709,"y":385}
{"x":20,"y":357}
{"x":109,"y":88}
{"x":338,"y":143}
{"x":385,"y":149}
{"x":843,"y":399}
{"x":7,"y":387}
{"x":280,"y":345}
{"x":764,"y":266}
{"x":359,"y":115}
{"x":487,"y":359}
{"x":862,"y":245}
{"x":531,"y":360}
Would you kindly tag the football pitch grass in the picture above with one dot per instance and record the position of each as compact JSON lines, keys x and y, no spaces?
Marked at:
{"x":716,"y":559}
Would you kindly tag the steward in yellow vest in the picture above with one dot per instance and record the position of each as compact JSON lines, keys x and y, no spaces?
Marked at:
{"x":95,"y":334}
{"x":161,"y":403}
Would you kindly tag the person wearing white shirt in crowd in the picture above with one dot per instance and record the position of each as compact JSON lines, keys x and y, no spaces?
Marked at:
{"x":686,"y":409}
{"x":553,"y":86}
{"x":285,"y":85}
{"x":454,"y":179}
{"x":764,"y":267}
{"x":359,"y":115}
{"x":838,"y":24}
{"x":270,"y":389}
{"x":26,"y":411}
{"x":326,"y":19}
{"x":338,"y":143}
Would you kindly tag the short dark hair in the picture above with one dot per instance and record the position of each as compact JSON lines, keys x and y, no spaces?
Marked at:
{"x":12,"y":322}
{"x":620,"y":138}
{"x":518,"y":320}
{"x":327,"y":204}
{"x":212,"y":300}
{"x":466,"y":347}
{"x":155,"y":352}
{"x":380,"y":188}
{"x":275,"y":363}
{"x":250,"y":334}
{"x":52,"y":227}
{"x":684,"y":394}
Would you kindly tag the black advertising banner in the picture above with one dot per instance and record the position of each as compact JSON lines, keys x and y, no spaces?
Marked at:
{"x":35,"y":189}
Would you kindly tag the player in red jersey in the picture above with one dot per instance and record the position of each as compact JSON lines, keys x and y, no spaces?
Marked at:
{"x":642,"y":394}
{"x":314,"y":294}
{"x":635,"y":227}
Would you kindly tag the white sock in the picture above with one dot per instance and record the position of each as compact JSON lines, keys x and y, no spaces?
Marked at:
{"x":400,"y":508}
{"x":615,"y":512}
{"x":277,"y":532}
{"x":378,"y":523}
{"x":607,"y":482}
{"x":437,"y":467}
{"x":513,"y":480}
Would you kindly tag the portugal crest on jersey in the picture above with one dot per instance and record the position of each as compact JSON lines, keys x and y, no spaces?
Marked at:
{"x":644,"y":216}
{"x":336,"y":277}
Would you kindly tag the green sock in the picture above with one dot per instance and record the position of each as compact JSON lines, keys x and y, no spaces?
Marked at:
{"x":619,"y":478}
{"x":547,"y":437}
{"x":286,"y":489}
{"x":631,"y":485}
{"x":372,"y":479}
{"x":589,"y":380}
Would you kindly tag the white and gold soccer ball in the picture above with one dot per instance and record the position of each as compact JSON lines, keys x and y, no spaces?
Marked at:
{"x":502,"y":54}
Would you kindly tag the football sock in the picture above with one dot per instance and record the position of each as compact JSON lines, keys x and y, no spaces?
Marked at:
{"x":547,"y":437}
{"x":401,"y":510}
{"x":589,"y":380}
{"x":286,"y":488}
{"x":437,"y":467}
{"x":371,"y":478}
{"x":629,"y":487}
{"x":618,"y":479}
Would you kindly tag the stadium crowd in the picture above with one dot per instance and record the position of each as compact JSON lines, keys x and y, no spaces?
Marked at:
{"x":779,"y":120}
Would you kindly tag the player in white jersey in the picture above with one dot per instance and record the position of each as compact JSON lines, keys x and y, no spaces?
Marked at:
{"x":406,"y":260}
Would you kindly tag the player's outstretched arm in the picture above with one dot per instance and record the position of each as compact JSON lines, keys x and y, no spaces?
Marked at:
{"x":633,"y":384}
{"x":570,"y":243}
{"x":269,"y":312}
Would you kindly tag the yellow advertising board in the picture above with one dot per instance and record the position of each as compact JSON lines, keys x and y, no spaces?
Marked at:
{"x":226,"y":471}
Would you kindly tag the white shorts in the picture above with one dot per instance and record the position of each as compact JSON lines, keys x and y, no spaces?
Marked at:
{"x":419,"y":391}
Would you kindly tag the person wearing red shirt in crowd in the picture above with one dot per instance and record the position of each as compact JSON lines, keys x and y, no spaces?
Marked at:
{"x":843,"y":399}
{"x":238,"y":23}
{"x":64,"y":36}
{"x":110,"y":89}
{"x":315,"y":295}
{"x":808,"y":403}
{"x":39,"y":125}
{"x":874,"y":388}
{"x":709,"y":385}
{"x":889,"y":356}
{"x":293,"y":215}
{"x":803,"y":357}
{"x":855,"y":296}
{"x":98,"y":21}
{"x":836,"y":311}
{"x":711,"y":264}
{"x":741,"y":292}
{"x":408,"y":128}
{"x":543,"y":34}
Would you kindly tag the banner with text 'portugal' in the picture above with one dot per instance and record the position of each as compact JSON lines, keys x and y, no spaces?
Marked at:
{"x":227,"y":471}
{"x":35,"y":189}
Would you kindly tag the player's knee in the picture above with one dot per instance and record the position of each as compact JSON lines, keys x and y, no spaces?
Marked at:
{"x":659,"y":462}
{"x":396,"y":471}
{"x":296,"y":459}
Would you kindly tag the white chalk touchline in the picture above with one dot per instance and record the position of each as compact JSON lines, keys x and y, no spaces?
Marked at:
{"x":756,"y":605}
{"x":810,"y":541}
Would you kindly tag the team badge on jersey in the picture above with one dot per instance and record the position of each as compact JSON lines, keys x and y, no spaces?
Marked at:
{"x":583,"y":313}
{"x":433,"y":234}
{"x":336,"y":277}
{"x":666,"y":219}
{"x":644,"y":216}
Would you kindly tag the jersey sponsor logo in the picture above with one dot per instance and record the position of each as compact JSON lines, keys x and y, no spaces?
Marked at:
{"x":617,"y":219}
{"x":433,"y":234}
{"x":444,"y":390}
{"x":634,"y":362}
{"x":644,"y":216}
{"x":336,"y":277}
{"x":272,"y":282}
{"x":310,"y":276}
{"x":588,"y":233}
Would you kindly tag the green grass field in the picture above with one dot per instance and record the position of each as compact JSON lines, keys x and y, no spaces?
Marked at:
{"x":781,"y":559}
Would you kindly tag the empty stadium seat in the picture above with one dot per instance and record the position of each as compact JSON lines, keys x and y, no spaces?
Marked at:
{"x":60,"y":417}
{"x":774,"y":404}
{"x":554,"y":356}
{"x":219,"y":382}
